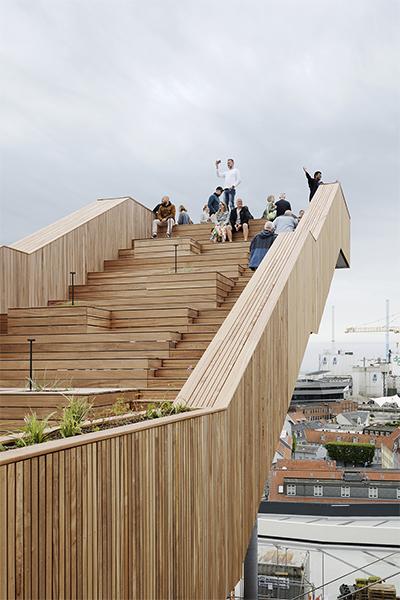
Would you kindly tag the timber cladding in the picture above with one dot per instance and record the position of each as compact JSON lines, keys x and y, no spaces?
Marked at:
{"x":165,"y":508}
{"x":37,"y":268}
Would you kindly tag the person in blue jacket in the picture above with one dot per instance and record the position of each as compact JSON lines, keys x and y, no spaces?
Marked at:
{"x":260,"y":245}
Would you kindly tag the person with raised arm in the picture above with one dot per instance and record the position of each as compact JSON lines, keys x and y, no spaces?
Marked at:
{"x":313,"y":182}
{"x":231,"y":180}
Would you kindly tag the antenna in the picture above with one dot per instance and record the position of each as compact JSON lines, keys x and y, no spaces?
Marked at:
{"x":387,"y":332}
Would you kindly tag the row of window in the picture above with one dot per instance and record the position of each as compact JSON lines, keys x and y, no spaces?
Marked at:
{"x":373,"y":492}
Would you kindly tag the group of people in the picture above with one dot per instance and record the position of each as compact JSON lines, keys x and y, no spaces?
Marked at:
{"x":228,"y":218}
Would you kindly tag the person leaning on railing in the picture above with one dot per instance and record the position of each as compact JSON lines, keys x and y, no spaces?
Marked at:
{"x":164,"y":215}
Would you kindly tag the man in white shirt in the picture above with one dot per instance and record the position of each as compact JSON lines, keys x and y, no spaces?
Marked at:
{"x":232,"y":180}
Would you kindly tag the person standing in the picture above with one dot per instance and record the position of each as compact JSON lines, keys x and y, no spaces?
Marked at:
{"x":260,"y":245}
{"x":282,"y":205}
{"x":232,"y":180}
{"x":213,"y":201}
{"x":239,"y":220}
{"x":313,"y":182}
{"x":164,"y":214}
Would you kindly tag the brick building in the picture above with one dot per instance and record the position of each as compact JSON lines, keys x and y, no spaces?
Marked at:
{"x":323,"y":481}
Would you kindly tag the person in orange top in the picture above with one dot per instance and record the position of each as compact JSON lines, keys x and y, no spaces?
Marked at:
{"x":164,"y":213}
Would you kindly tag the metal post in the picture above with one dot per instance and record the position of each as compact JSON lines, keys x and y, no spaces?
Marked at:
{"x":387,"y":331}
{"x":251,"y":567}
{"x":176,"y":257}
{"x":72,"y":273}
{"x":30,"y":340}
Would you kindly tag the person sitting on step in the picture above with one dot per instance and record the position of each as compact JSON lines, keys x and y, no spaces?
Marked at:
{"x":164,"y":215}
{"x":260,"y":245}
{"x":183,"y":217}
{"x":286,"y":222}
{"x":218,"y":233}
{"x":239,"y":220}
{"x":269,"y":213}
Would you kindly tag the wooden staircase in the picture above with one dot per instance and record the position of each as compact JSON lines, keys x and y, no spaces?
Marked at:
{"x":140,"y":324}
{"x":164,"y":508}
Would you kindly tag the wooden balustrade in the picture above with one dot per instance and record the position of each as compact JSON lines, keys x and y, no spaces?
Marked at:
{"x":36,"y":269}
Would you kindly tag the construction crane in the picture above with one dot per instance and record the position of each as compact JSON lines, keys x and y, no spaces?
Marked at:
{"x":386,"y":329}
{"x":381,"y":329}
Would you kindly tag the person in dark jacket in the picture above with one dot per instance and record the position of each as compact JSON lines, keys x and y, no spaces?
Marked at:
{"x":260,"y":245}
{"x":313,"y":182}
{"x":282,"y":205}
{"x":239,"y":220}
{"x":214,"y":200}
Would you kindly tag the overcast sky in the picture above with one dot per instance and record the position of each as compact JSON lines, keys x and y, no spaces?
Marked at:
{"x":104,"y":98}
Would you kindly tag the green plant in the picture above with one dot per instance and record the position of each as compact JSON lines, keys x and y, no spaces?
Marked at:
{"x":2,"y":447}
{"x":42,"y":386}
{"x":165,"y":409}
{"x":120,"y":407}
{"x":34,"y":430}
{"x":349,"y":453}
{"x":73,"y":416}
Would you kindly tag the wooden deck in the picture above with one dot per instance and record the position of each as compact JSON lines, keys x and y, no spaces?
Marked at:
{"x":165,"y":508}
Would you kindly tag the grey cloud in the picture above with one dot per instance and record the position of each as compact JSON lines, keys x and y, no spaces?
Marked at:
{"x":106,"y":99}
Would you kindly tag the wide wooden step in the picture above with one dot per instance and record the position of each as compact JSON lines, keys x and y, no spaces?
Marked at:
{"x":231,"y":270}
{"x":181,"y":363}
{"x":74,"y":319}
{"x":76,"y":364}
{"x":151,"y":248}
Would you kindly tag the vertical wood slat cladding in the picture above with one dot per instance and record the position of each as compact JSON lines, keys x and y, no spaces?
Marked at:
{"x":164,"y":509}
{"x":37,"y":268}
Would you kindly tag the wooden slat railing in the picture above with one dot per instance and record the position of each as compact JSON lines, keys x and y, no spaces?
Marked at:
{"x":164,"y":509}
{"x":36,"y":269}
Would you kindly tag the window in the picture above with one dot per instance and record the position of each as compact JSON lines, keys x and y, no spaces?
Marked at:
{"x":318,"y":490}
{"x":374,"y":377}
{"x":324,"y":361}
{"x":334,"y":362}
{"x":398,"y":493}
{"x":280,"y":489}
{"x":373,"y":492}
{"x":291,"y":489}
{"x":345,"y":491}
{"x":355,"y":440}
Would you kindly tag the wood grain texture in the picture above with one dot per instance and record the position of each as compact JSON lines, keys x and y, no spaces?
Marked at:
{"x":36,"y":269}
{"x":164,"y":509}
